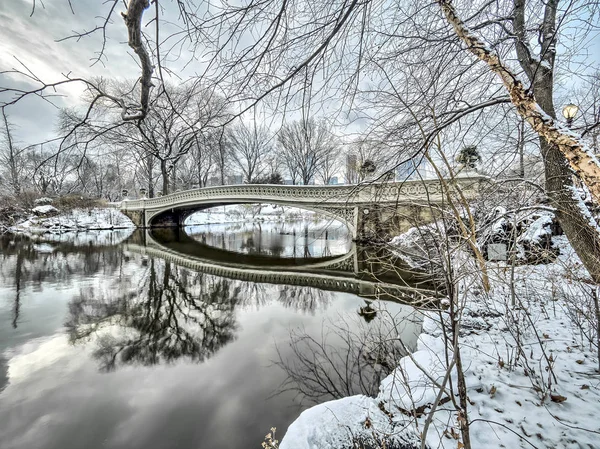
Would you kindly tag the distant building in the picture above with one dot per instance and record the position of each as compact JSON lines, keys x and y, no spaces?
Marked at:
{"x":214,"y":181}
{"x":351,"y":169}
{"x":333,"y":181}
{"x":235,"y":179}
{"x":288,"y":182}
{"x":416,"y":168}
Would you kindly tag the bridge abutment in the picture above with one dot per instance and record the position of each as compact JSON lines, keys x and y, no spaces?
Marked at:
{"x":138,"y":217}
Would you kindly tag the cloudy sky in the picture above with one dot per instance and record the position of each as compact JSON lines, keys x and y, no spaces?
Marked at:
{"x":32,"y":41}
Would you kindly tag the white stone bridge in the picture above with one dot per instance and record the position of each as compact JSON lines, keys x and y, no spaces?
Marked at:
{"x":369,"y":210}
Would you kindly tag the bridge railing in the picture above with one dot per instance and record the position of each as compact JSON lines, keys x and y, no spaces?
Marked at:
{"x":385,"y":191}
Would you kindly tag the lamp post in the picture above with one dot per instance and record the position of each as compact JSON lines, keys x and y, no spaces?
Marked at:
{"x":569,"y":112}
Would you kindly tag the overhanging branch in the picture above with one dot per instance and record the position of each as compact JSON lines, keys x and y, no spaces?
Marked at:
{"x":133,"y":20}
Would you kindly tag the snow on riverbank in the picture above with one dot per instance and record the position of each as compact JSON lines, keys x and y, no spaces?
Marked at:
{"x":46,"y":218}
{"x":73,"y":220}
{"x":530,"y":373}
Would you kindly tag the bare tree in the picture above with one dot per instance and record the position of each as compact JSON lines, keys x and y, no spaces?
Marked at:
{"x":563,"y":153}
{"x":330,"y":166}
{"x":305,"y":145}
{"x":11,"y":157}
{"x":181,"y":120}
{"x":250,"y":147}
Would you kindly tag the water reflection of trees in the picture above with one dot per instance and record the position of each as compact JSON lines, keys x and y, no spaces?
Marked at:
{"x":300,"y":298}
{"x":349,"y":356}
{"x":275,"y":239}
{"x":34,"y":262}
{"x":171,"y":313}
{"x":306,"y":299}
{"x":140,"y":310}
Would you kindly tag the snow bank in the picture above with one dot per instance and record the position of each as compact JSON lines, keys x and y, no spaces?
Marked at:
{"x":342,"y":423}
{"x":546,"y":395}
{"x":43,"y":200}
{"x":75,"y":220}
{"x":44,"y":210}
{"x":417,"y":246}
{"x":411,"y":385}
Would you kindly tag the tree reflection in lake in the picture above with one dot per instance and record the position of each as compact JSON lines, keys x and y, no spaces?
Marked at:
{"x":350,"y":356}
{"x":171,"y":312}
{"x":89,"y":328}
{"x":174,"y":313}
{"x":277,"y":239}
{"x":305,"y":299}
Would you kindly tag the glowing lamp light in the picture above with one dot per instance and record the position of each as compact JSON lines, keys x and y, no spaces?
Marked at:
{"x":570,"y":111}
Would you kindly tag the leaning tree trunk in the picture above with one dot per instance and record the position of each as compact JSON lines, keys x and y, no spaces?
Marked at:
{"x":580,"y":230}
{"x":582,"y":234}
{"x":563,"y":154}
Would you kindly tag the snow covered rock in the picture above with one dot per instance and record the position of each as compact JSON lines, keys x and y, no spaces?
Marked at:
{"x":46,"y":210}
{"x":42,"y":201}
{"x":355,"y":421}
{"x":417,"y":246}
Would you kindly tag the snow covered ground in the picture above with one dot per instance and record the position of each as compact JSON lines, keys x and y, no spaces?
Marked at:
{"x":531,"y":374}
{"x":74,"y":220}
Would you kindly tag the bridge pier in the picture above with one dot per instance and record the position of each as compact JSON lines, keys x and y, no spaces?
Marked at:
{"x":380,"y":221}
{"x":169,"y":219}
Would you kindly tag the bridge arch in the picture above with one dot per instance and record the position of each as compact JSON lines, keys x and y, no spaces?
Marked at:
{"x":367,"y":210}
{"x":176,"y":216}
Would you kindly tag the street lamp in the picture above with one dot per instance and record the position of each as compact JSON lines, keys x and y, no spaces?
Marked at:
{"x":569,"y":112}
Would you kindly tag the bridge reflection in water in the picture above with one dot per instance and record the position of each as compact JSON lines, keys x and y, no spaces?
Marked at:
{"x":189,"y":350}
{"x":369,"y":272}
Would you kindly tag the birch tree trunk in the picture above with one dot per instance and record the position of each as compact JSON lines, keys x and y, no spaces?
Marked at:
{"x":563,"y":154}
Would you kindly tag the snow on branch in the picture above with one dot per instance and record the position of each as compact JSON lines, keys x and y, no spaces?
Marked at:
{"x":582,"y":161}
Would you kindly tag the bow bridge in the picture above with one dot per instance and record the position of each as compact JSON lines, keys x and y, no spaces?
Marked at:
{"x":369,"y":210}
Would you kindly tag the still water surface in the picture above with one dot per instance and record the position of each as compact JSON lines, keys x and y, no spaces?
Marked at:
{"x":104,"y":347}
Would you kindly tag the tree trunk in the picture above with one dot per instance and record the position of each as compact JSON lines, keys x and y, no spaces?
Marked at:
{"x":521,"y":148}
{"x":12,"y":159}
{"x":582,"y":234}
{"x":165,"y":177}
{"x":580,"y":230}
{"x":563,"y":154}
{"x":150,"y":176}
{"x":199,"y":169}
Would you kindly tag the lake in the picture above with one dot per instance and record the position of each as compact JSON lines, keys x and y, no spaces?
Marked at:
{"x":188,"y":338}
